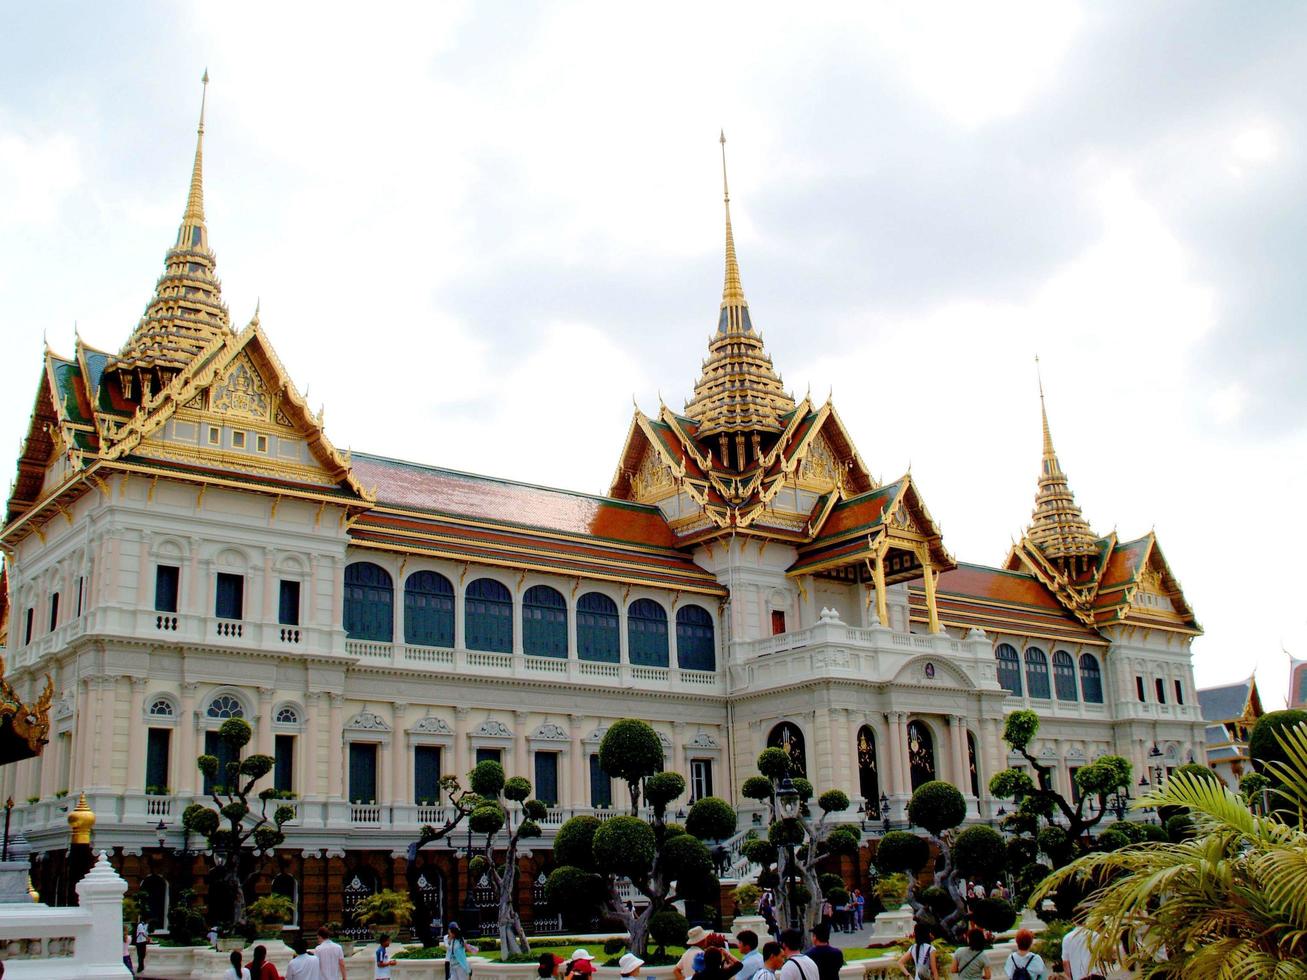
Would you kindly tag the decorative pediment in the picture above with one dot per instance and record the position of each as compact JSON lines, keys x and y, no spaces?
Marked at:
{"x":551,"y":732}
{"x":431,"y":725}
{"x":241,"y":391}
{"x":701,"y":740}
{"x":491,"y":728}
{"x":667,"y":742}
{"x":367,"y":721}
{"x":654,"y":479}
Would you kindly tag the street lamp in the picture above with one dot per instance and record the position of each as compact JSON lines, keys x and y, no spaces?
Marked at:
{"x":1119,"y":803}
{"x":787,"y":802}
{"x":884,"y":812}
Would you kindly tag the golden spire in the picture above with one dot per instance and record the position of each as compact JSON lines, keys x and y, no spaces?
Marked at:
{"x":1057,"y":527}
{"x":186,"y":315}
{"x":733,"y":301}
{"x":81,"y":821}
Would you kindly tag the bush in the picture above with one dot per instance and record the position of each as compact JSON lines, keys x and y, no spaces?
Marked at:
{"x":892,"y":889}
{"x":837,"y":896}
{"x":486,"y":819}
{"x":630,"y":751}
{"x":574,"y":842}
{"x":1019,"y":852}
{"x":747,"y":897}
{"x":487,"y":779}
{"x":994,"y":914}
{"x":774,"y":763}
{"x":614,"y":946}
{"x":833,"y":801}
{"x":271,"y":910}
{"x":386,"y":907}
{"x":686,"y":857}
{"x":784,"y":832}
{"x":1049,"y":943}
{"x":1054,"y":842}
{"x":829,"y":881}
{"x":757,"y":787}
{"x":574,"y":894}
{"x":1027,"y":878}
{"x":760,"y":851}
{"x":937,"y":900}
{"x":711,"y":818}
{"x":669,"y":928}
{"x":979,"y":852}
{"x":624,"y":846}
{"x":663,"y":787}
{"x":1112,"y":840}
{"x":937,"y":806}
{"x":517,"y":789}
{"x":843,"y":841}
{"x":1263,"y":745}
{"x":1180,"y":827}
{"x":902,"y":851}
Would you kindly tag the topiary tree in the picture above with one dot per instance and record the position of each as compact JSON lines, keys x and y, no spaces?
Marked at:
{"x":811,"y":840}
{"x":489,"y":816}
{"x":663,"y":861}
{"x":938,"y":807}
{"x":234,"y":833}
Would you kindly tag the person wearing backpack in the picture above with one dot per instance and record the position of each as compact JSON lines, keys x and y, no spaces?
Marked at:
{"x":1024,"y":964}
{"x":969,"y":960}
{"x":920,"y":956}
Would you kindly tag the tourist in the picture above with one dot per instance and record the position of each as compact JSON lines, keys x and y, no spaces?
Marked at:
{"x":969,"y":962}
{"x":212,"y":936}
{"x":798,"y":965}
{"x":695,"y":940}
{"x":262,"y":968}
{"x":920,"y":956}
{"x":548,"y":965}
{"x":773,"y":958}
{"x":827,"y":912}
{"x":718,"y":964}
{"x":127,"y":950}
{"x":859,"y":908}
{"x":142,"y":940}
{"x":767,"y":909}
{"x":828,"y":958}
{"x":382,"y":960}
{"x":303,"y":965}
{"x":629,"y":965}
{"x":236,"y":971}
{"x":1025,"y":964}
{"x":456,"y":953}
{"x":330,"y":957}
{"x":750,"y":958}
{"x":1078,"y":963}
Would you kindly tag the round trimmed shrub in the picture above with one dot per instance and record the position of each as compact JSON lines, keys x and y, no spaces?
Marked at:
{"x":803,"y":787}
{"x":534,"y":810}
{"x":937,"y":900}
{"x":574,"y":893}
{"x":843,"y":841}
{"x":979,"y":852}
{"x":685,"y":857}
{"x":774,"y":763}
{"x":1018,"y":852}
{"x":574,"y":842}
{"x":486,"y":819}
{"x":1055,"y":842}
{"x":517,"y":789}
{"x":759,"y":851}
{"x":487,"y":779}
{"x":199,"y":819}
{"x":837,"y":896}
{"x":902,"y":851}
{"x":663,"y":787}
{"x":669,"y":928}
{"x":1263,"y":745}
{"x":937,"y":806}
{"x":784,"y":832}
{"x":624,"y":846}
{"x":1112,"y":840}
{"x":833,"y":801}
{"x":630,"y":751}
{"x":757,"y":787}
{"x":994,"y":914}
{"x":1180,"y":827}
{"x":711,"y":818}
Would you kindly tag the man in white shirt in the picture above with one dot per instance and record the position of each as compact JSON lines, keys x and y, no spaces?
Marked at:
{"x":1077,"y":961}
{"x":797,"y":965}
{"x":303,"y":966}
{"x":330,"y":957}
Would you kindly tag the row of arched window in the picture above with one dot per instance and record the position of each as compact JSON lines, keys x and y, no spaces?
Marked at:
{"x":488,"y":620}
{"x":1090,"y":688}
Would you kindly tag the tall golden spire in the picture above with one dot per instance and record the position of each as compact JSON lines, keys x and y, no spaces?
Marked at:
{"x":738,"y":392}
{"x":186,"y":314}
{"x":1057,"y":527}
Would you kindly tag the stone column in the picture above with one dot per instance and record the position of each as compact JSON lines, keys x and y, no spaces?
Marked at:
{"x":903,"y":764}
{"x":461,"y":766}
{"x":623,"y":640}
{"x":961,"y":771}
{"x":263,"y":736}
{"x":460,"y":641}
{"x":678,"y":750}
{"x":821,"y":761}
{"x":83,"y":738}
{"x":335,"y":746}
{"x":102,"y":777}
{"x":309,"y":785}
{"x":185,"y":765}
{"x":843,"y":775}
{"x":136,"y":736}
{"x":399,"y":755}
{"x":520,"y":760}
{"x":576,"y":795}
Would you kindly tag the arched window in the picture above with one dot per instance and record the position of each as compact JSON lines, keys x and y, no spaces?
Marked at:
{"x":789,"y":737}
{"x":868,"y":777}
{"x":695,"y":644}
{"x":544,"y":622}
{"x":287,"y":715}
{"x":921,"y":753}
{"x":161,"y":708}
{"x":972,"y":766}
{"x":284,"y":884}
{"x":598,"y":635}
{"x":646,"y":633}
{"x":1009,"y":668}
{"x":1091,"y":679}
{"x":428,"y":610}
{"x":1064,"y":676}
{"x":154,"y":890}
{"x":488,"y":616}
{"x":225,"y":706}
{"x":369,"y":603}
{"x":1037,"y":673}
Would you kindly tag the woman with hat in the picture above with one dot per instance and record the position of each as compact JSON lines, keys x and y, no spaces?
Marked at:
{"x":580,"y":966}
{"x":695,"y":940}
{"x":629,"y":965}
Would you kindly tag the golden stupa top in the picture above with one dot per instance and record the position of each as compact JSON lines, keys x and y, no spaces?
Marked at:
{"x":186,"y":315}
{"x":738,"y":390}
{"x":81,"y":820}
{"x":1057,"y":528}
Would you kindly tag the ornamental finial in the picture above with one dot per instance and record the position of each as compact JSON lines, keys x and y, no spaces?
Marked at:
{"x":732,"y":292}
{"x":195,"y":199}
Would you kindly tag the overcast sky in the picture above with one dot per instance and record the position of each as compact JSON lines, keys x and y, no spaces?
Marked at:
{"x":479,"y":230}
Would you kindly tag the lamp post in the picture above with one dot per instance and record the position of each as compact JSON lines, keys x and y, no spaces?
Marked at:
{"x":1119,"y":803}
{"x":787,"y":801}
{"x":884,"y":812}
{"x":1156,"y":765}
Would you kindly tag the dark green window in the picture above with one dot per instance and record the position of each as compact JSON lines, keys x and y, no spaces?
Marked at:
{"x":426,"y":775}
{"x":229,"y":599}
{"x":544,"y":622}
{"x":601,"y":787}
{"x":1037,"y":673}
{"x":1091,"y":679}
{"x":598,"y":635}
{"x":428,"y":610}
{"x":695,"y":645}
{"x":488,"y":616}
{"x":362,"y":772}
{"x":213,"y":745}
{"x":1064,"y":676}
{"x":288,"y":605}
{"x":490,"y":755}
{"x":166,"y":578}
{"x":646,"y":633}
{"x":157,"y":743}
{"x":546,"y":785}
{"x":369,"y":603}
{"x":283,"y":770}
{"x":1009,"y":668}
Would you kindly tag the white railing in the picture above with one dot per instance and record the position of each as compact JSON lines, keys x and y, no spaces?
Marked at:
{"x":484,"y":658}
{"x":650,"y":674}
{"x":158,"y":806}
{"x":365,"y":813}
{"x":589,"y":668}
{"x":704,"y":678}
{"x":368,"y":650}
{"x":429,"y":655}
{"x":547,"y":665}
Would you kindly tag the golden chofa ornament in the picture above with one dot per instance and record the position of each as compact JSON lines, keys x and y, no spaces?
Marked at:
{"x":81,"y":820}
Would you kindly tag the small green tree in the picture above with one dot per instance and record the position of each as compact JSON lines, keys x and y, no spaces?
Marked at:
{"x":461,"y":803}
{"x":491,"y":815}
{"x":938,"y":807}
{"x":230,"y":827}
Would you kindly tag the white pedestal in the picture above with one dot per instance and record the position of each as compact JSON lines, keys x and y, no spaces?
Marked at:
{"x":892,"y":925}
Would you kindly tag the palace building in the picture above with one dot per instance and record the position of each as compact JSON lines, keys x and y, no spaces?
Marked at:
{"x":184,"y":544}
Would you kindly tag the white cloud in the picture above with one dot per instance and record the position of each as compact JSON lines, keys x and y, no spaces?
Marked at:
{"x":37,"y":173}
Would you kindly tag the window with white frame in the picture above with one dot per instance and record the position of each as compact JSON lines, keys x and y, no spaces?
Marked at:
{"x":700,"y":779}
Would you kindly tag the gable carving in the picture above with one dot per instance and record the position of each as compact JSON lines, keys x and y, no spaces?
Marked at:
{"x":241,"y":391}
{"x":368,"y":721}
{"x":653,"y":478}
{"x":493,"y":729}
{"x":819,"y":465}
{"x":552,"y":732}
{"x":431,"y":725}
